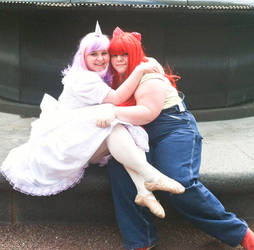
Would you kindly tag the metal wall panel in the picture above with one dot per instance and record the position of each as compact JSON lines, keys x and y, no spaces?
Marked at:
{"x":141,"y":2}
{"x":212,"y":51}
{"x":221,"y":2}
{"x":32,"y":1}
{"x":9,"y":55}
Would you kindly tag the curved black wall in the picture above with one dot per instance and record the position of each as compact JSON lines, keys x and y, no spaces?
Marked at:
{"x":212,"y":51}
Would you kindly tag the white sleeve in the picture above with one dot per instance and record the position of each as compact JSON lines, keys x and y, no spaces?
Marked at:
{"x":89,"y":87}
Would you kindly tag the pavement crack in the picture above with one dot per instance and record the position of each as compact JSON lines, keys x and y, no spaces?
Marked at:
{"x":246,"y":154}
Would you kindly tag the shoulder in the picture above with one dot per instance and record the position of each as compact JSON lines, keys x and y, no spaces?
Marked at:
{"x":152,"y":82}
{"x":152,"y":86}
{"x":153,"y":76}
{"x":78,"y":76}
{"x":86,"y":75}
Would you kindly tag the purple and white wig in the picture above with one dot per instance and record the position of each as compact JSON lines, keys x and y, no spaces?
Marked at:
{"x":91,"y":42}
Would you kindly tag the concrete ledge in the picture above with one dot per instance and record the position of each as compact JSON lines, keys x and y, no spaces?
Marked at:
{"x":24,"y":110}
{"x":235,"y":112}
{"x":227,"y":169}
{"x":240,"y":111}
{"x":91,"y":201}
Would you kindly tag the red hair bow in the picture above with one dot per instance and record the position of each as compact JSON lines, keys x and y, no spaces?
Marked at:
{"x":117,"y":31}
{"x":137,"y":35}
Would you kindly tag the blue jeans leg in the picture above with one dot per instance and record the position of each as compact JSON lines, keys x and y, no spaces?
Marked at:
{"x":178,"y":156}
{"x":175,"y":150}
{"x":135,"y":222}
{"x":206,"y":212}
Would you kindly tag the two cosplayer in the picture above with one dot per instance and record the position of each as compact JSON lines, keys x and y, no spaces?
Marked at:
{"x":99,"y":112}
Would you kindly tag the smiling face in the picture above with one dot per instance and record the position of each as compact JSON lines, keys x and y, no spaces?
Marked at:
{"x":120,"y":63}
{"x":97,"y":60}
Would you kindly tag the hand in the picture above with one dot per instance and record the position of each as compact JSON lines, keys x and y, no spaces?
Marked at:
{"x":156,"y":66}
{"x":106,"y":118}
{"x":147,"y":67}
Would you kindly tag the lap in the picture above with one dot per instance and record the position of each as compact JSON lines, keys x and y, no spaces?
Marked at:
{"x":178,"y":156}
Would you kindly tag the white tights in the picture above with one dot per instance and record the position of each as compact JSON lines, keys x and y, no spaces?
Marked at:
{"x":122,"y":147}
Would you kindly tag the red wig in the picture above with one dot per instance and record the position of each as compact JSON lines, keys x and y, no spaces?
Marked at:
{"x":130,"y":43}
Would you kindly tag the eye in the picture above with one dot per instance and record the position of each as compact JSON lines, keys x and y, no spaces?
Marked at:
{"x":104,"y":53}
{"x":93,"y":53}
{"x":125,"y":54}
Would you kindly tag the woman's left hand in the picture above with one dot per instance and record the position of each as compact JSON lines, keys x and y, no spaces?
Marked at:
{"x":104,"y":120}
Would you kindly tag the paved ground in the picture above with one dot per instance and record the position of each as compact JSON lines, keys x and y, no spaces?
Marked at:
{"x":173,"y":236}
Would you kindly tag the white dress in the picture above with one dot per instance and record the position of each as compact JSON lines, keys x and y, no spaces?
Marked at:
{"x":64,"y":138}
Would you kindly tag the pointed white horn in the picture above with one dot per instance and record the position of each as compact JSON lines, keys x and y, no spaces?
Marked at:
{"x":98,"y":29}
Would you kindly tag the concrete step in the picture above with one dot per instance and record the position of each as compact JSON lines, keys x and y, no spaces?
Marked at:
{"x":91,"y":200}
{"x":227,"y":169}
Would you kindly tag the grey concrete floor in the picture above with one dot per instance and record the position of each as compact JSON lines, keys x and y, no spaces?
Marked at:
{"x":173,"y":236}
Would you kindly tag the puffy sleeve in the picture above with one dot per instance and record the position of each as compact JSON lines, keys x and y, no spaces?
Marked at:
{"x":87,"y":86}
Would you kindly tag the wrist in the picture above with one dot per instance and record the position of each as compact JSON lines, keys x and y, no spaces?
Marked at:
{"x":140,"y":69}
{"x":115,"y":111}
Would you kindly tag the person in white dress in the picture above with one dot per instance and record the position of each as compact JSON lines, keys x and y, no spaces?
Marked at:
{"x":65,"y":138}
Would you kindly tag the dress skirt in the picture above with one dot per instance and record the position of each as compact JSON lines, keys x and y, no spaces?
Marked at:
{"x":59,"y":148}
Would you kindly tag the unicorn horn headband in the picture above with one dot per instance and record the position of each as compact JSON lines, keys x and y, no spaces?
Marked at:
{"x":97,"y":29}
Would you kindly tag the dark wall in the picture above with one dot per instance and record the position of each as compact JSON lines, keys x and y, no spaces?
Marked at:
{"x":213,"y":52}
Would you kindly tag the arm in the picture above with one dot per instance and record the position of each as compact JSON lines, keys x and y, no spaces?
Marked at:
{"x":150,"y":97}
{"x":128,"y":87}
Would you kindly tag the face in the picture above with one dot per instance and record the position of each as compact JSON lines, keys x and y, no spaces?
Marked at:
{"x":97,"y":60}
{"x":120,"y":63}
